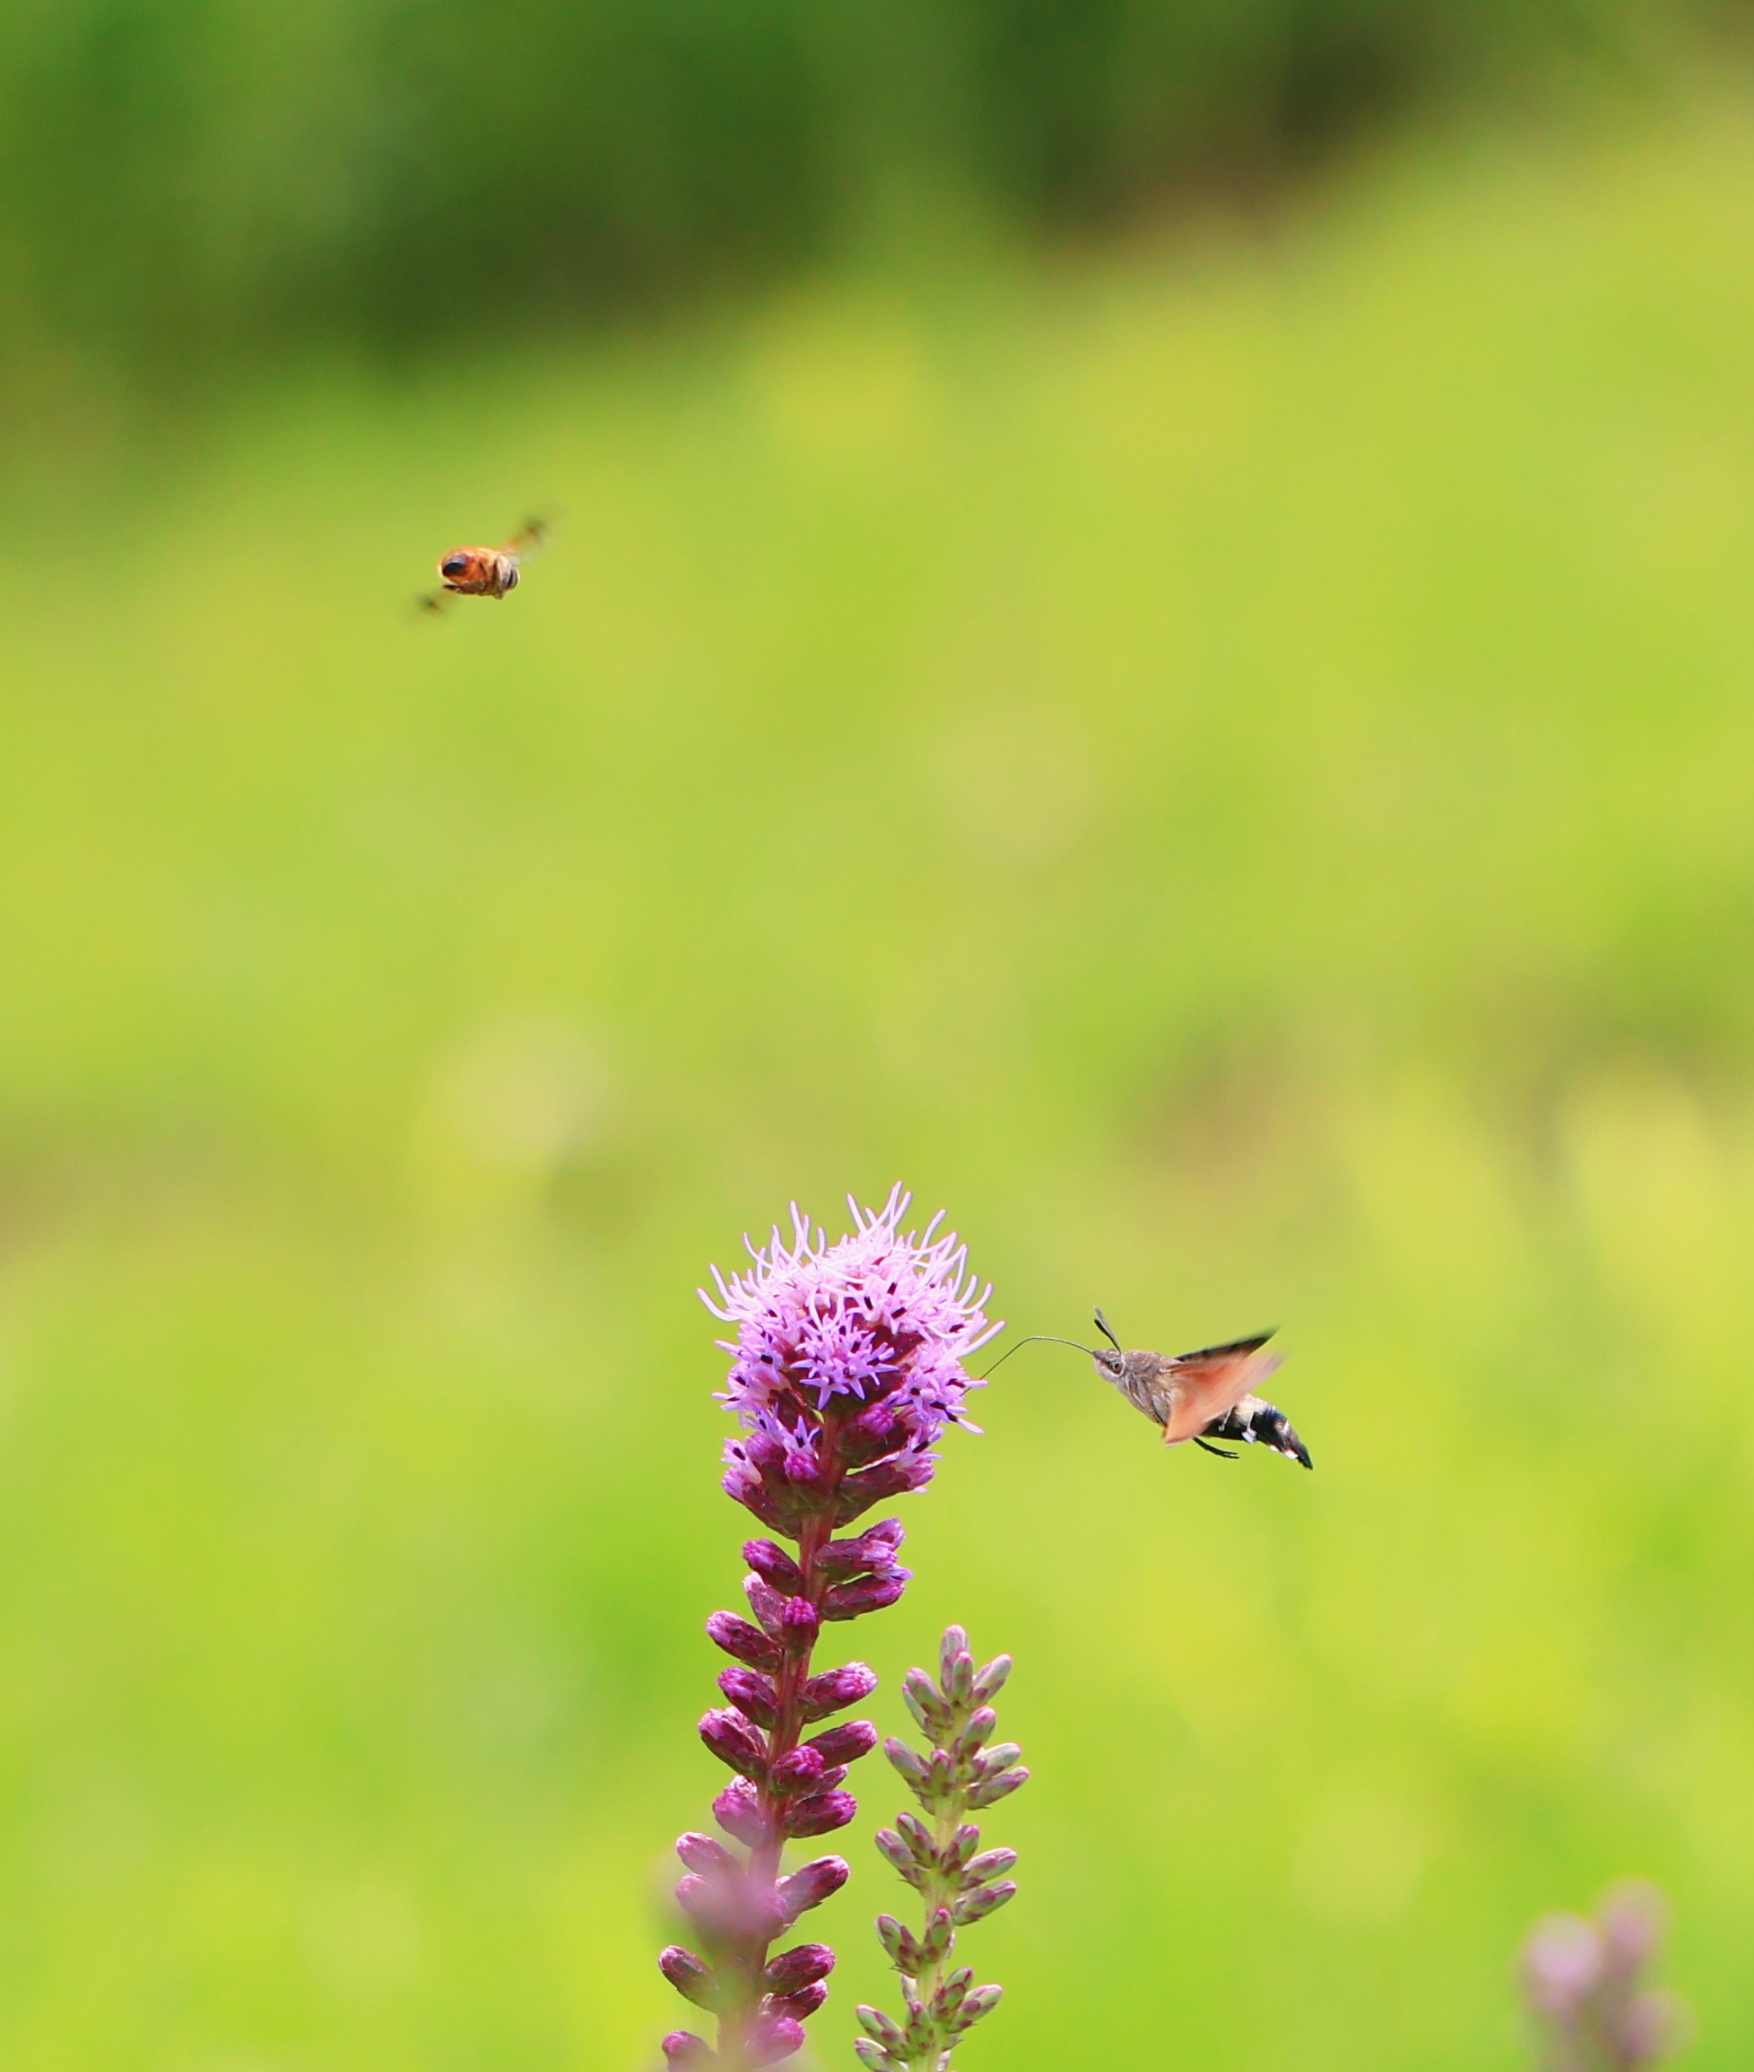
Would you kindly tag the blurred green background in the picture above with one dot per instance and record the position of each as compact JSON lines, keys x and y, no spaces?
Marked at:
{"x":1219,"y":754}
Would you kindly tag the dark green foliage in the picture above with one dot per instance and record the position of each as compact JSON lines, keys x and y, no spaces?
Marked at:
{"x":192,"y":179}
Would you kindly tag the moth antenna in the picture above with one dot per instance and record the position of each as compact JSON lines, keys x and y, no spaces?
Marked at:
{"x":1039,"y":1338}
{"x":1102,"y":1326}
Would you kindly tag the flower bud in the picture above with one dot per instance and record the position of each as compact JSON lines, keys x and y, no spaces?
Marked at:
{"x":770,"y":2038}
{"x":810,"y":1885}
{"x":774,"y":1566}
{"x":802,"y":1965}
{"x":798,"y":1770}
{"x":836,"y":1687}
{"x":899,"y":1946}
{"x":752,"y":1694}
{"x":691,"y":1978}
{"x":926,"y":1702}
{"x":954,"y":1643}
{"x":735,"y":1742}
{"x":874,"y":2057}
{"x":895,"y":1477}
{"x":799,"y":1623}
{"x":710,"y":1859}
{"x":686,"y":2052}
{"x":949,"y":1997}
{"x":881,"y":2028}
{"x":918,"y":1837}
{"x":990,"y":1863}
{"x":879,"y":1429}
{"x":821,"y":1813}
{"x":994,"y":1789}
{"x":908,"y":1761}
{"x":766,"y":1603}
{"x":974,"y":1734}
{"x":799,"y":2005}
{"x":982,"y":1901}
{"x":981,"y":2001}
{"x":990,"y":1681}
{"x":960,"y":1846}
{"x":739,"y":1811}
{"x":900,"y":1858}
{"x":866,"y":1594}
{"x":748,"y":1643}
{"x":845,"y":1743}
{"x":874,"y":1548}
{"x":940,"y":1932}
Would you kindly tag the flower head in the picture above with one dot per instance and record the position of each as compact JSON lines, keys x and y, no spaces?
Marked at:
{"x":848,"y":1362}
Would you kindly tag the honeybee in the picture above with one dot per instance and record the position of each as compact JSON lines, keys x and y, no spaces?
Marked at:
{"x":1202,"y":1396}
{"x":484,"y":571}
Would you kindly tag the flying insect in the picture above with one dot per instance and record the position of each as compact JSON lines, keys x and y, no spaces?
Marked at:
{"x":484,"y":571}
{"x":1202,"y":1396}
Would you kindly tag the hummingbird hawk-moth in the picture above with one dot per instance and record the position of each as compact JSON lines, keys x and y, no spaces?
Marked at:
{"x":1202,"y":1396}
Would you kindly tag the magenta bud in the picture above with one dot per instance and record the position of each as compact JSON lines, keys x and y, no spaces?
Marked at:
{"x":686,"y":2052}
{"x":704,"y":1856}
{"x":765,"y":1602}
{"x":874,"y":1548}
{"x":748,"y":1643}
{"x":752,"y":1694}
{"x":774,"y":1565}
{"x":802,"y":1965}
{"x":845,"y":1743}
{"x":879,"y":1429}
{"x":836,"y":1687}
{"x":800,"y":1770}
{"x":799,"y":2005}
{"x":770,"y":2038}
{"x":738,"y":1810}
{"x":735,"y":1742}
{"x":867,"y":1594}
{"x":907,"y":1471}
{"x":821,"y":1813}
{"x":691,"y":1978}
{"x":764,"y":1452}
{"x":799,"y":1623}
{"x":810,"y":1885}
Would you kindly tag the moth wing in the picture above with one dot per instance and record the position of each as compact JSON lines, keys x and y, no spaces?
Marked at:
{"x":1209,"y":1383}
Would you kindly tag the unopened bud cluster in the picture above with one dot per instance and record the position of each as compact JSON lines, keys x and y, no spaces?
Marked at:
{"x":1585,"y":1983}
{"x":964,"y":1771}
{"x":846,"y":1368}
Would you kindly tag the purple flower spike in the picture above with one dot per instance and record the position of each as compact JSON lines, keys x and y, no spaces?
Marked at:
{"x":847,"y":1364}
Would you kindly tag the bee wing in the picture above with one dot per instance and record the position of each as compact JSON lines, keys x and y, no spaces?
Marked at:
{"x":1207,"y":1384}
{"x":533,"y":533}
